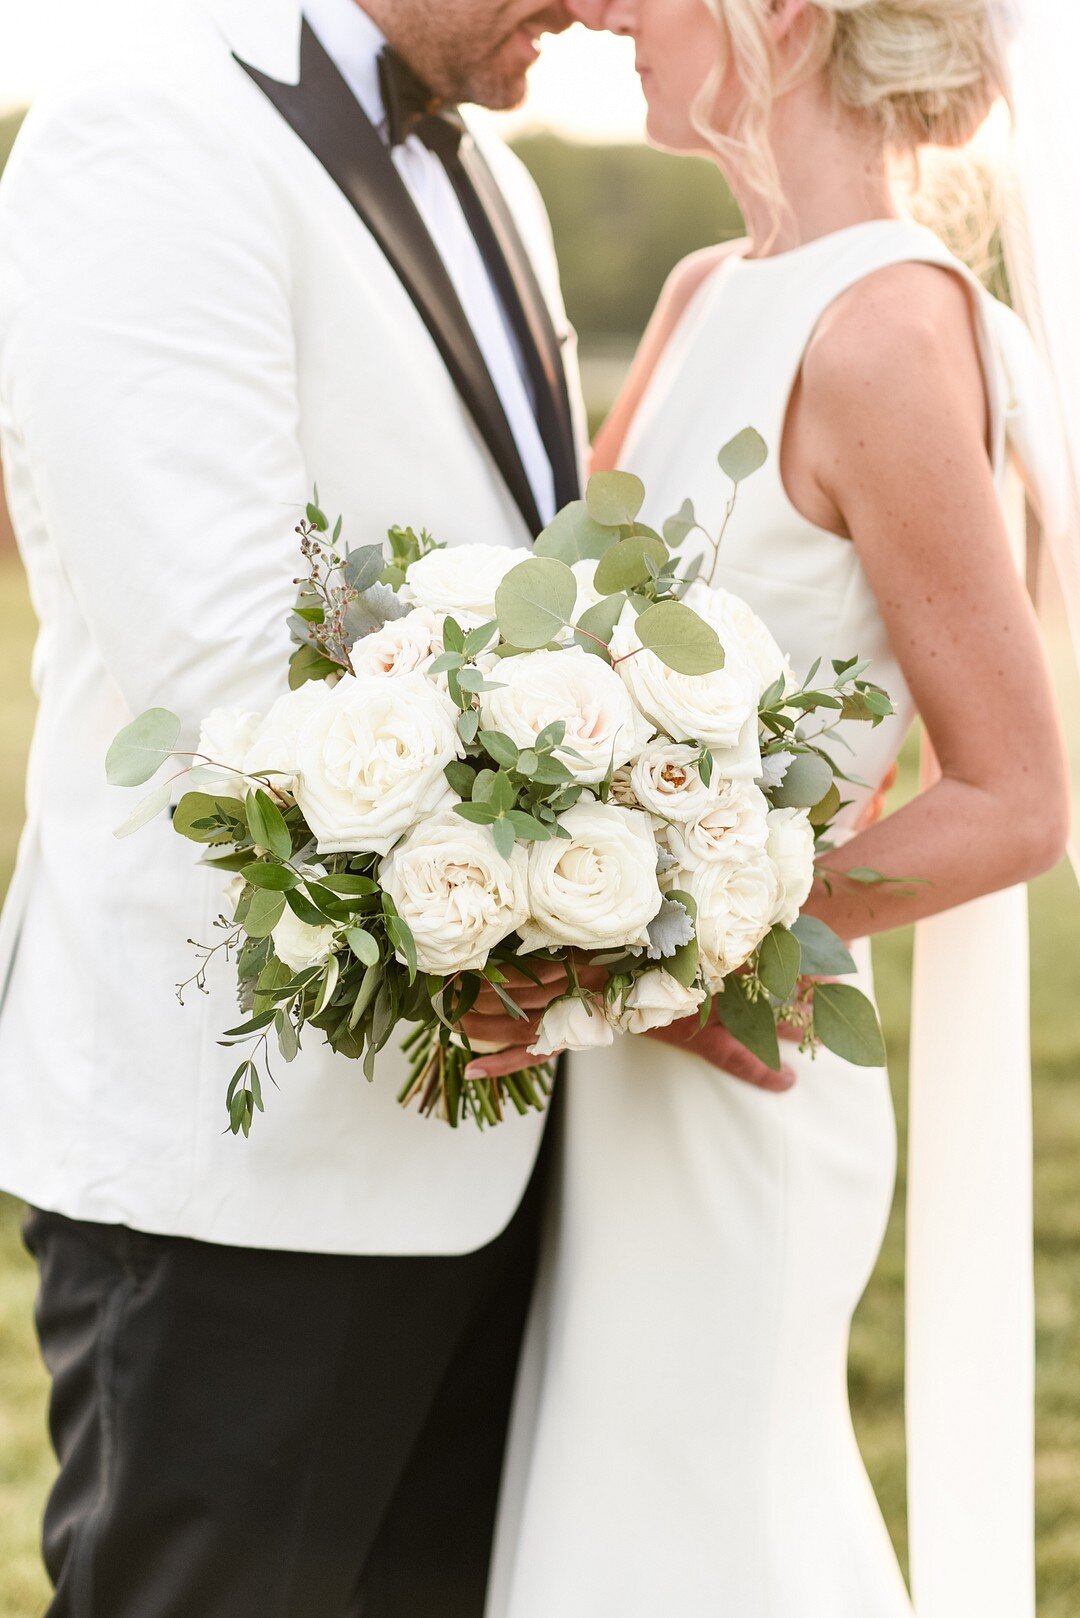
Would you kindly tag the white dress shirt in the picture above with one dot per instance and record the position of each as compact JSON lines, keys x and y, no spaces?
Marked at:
{"x":353,"y":42}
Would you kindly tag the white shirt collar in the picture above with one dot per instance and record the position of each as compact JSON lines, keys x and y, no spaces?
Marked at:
{"x":353,"y":42}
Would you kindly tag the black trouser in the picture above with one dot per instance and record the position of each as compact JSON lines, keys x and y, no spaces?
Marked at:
{"x":249,"y":1434}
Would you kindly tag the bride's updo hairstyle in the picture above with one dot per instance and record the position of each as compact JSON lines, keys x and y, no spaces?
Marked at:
{"x":927,"y":71}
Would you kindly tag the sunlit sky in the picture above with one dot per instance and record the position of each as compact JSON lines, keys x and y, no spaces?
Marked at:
{"x":584,"y":85}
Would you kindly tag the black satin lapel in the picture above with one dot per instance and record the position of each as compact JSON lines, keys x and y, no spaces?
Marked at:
{"x":537,"y":316}
{"x":325,"y":114}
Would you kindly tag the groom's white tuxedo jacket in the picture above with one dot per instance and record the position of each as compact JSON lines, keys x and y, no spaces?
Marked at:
{"x":198,"y":321}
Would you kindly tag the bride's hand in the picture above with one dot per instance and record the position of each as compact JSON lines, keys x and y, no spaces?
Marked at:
{"x":490,"y":1023}
{"x":723,"y":1050}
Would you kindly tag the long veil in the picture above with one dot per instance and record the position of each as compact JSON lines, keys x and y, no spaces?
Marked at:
{"x":970,"y":1283}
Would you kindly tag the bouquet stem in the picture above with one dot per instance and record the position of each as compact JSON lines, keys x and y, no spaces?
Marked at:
{"x":438,"y":1086}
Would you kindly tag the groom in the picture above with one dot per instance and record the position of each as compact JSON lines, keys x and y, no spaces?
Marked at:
{"x":239,"y":254}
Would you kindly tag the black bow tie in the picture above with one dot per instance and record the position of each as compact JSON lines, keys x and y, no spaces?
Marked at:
{"x":412,"y":108}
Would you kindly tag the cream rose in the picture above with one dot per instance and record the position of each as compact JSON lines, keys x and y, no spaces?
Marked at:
{"x":299,"y":946}
{"x":587,"y":595}
{"x":539,"y":688}
{"x":738,"y":624}
{"x":372,"y":759}
{"x":656,"y":1000}
{"x":457,"y":893}
{"x":710,"y":709}
{"x":403,"y":646}
{"x":666,"y":781}
{"x":224,"y":740}
{"x":274,"y":749}
{"x":732,"y":828}
{"x":735,"y":903}
{"x":597,"y":889}
{"x":570,"y":1024}
{"x":791,"y":849}
{"x":462,"y":580}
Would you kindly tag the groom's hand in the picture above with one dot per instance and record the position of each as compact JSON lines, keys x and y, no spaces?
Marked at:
{"x":716,"y":1045}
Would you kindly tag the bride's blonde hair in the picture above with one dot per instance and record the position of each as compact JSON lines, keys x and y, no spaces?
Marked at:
{"x":927,"y":71}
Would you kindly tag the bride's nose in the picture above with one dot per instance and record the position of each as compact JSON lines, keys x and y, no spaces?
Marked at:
{"x":616,"y":16}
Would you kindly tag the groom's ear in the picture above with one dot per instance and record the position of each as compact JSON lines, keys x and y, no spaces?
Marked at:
{"x":784,"y":15}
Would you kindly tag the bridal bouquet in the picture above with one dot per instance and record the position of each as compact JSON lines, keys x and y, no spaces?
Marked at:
{"x":588,"y":755}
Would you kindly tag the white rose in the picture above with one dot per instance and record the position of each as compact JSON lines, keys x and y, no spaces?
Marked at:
{"x":666,"y":781}
{"x":732,"y":828}
{"x":224,"y":740}
{"x":791,"y":849}
{"x":274,"y":748}
{"x":570,"y":1024}
{"x":774,"y":767}
{"x":299,"y":946}
{"x":462,"y":581}
{"x":457,"y":893}
{"x":656,"y":1001}
{"x":710,"y":709}
{"x":587,"y":594}
{"x":234,"y":892}
{"x":372,"y":759}
{"x":735,"y":910}
{"x":736,"y":623}
{"x":539,"y":688}
{"x":402,"y":646}
{"x":598,"y":889}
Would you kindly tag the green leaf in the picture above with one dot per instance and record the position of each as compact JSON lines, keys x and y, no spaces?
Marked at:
{"x":267,"y":825}
{"x":505,"y":837}
{"x":199,"y":815}
{"x":142,"y":747}
{"x":401,"y":937}
{"x":368,"y":989}
{"x":287,"y":1037}
{"x":270,"y":878}
{"x":308,"y":664}
{"x":823,"y":953}
{"x":574,"y":536}
{"x":147,"y":810}
{"x":598,"y":623}
{"x":845,"y":1021}
{"x":806,"y":783}
{"x":317,"y":518}
{"x":779,"y":962}
{"x":480,"y":814}
{"x":528,"y":761}
{"x":684,"y":522}
{"x":363,"y":568}
{"x":302,"y":907}
{"x":500,"y":748}
{"x":626,"y":564}
{"x":751,"y":1022}
{"x":743,"y":455}
{"x":683,"y":965}
{"x":614,"y":498}
{"x":828,"y":808}
{"x":331,"y":971}
{"x":453,"y":636}
{"x":527,"y":828}
{"x":535,"y":601}
{"x":501,"y":797}
{"x":364,"y":945}
{"x":680,"y":639}
{"x":481,"y":637}
{"x":460,"y":777}
{"x":468,"y":725}
{"x":264,"y":913}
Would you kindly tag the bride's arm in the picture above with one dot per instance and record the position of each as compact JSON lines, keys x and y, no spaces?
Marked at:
{"x":681,"y":285}
{"x":892,"y":422}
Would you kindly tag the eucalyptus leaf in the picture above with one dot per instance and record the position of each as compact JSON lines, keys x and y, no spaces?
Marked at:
{"x":574,"y":536}
{"x":505,"y":837}
{"x":845,"y":1021}
{"x":626,"y":564}
{"x":363,"y":568}
{"x":142,"y":748}
{"x":264,"y":913}
{"x":683,"y":523}
{"x":680,"y":639}
{"x":267,"y":824}
{"x":779,"y":962}
{"x":743,"y":455}
{"x":751,"y":1022}
{"x":823,"y":953}
{"x":270,"y":878}
{"x":598,"y":624}
{"x":535,"y":601}
{"x":364,"y":945}
{"x":614,"y":498}
{"x":825,"y":811}
{"x":199,"y":815}
{"x":147,"y":810}
{"x":806,"y":783}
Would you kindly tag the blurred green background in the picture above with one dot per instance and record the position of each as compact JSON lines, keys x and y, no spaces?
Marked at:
{"x":623,"y":216}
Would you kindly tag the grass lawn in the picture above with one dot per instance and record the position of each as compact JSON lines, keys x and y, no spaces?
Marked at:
{"x":877,"y":1356}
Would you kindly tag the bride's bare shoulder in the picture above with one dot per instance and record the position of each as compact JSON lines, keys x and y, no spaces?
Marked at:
{"x":689,"y":275}
{"x":904,"y":325}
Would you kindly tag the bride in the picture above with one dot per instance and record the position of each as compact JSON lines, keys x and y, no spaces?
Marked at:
{"x":683,"y":1441}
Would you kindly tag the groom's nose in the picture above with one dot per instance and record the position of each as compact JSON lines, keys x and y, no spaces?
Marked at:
{"x":589,"y":12}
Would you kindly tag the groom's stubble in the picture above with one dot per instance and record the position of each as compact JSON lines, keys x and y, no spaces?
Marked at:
{"x":477,"y":51}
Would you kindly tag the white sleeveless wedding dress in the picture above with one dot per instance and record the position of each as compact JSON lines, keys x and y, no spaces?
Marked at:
{"x":682,"y":1445}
